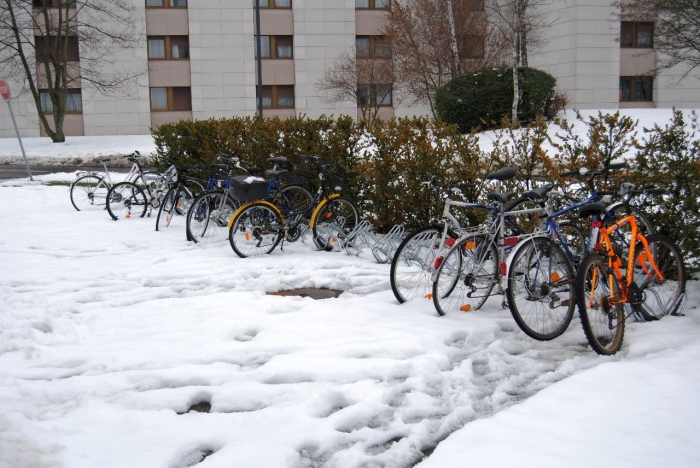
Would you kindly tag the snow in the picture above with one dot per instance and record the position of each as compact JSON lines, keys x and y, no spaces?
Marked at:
{"x":111,"y":331}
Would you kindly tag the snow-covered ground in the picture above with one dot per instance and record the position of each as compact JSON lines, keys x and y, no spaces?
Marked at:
{"x":110,"y":332}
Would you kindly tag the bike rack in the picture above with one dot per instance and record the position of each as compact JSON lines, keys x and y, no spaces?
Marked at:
{"x":382,"y":247}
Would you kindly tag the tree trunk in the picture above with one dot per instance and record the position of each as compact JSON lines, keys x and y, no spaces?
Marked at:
{"x":516,"y":86}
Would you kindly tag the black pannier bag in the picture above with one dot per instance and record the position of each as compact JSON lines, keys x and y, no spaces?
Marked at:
{"x":245,"y":188}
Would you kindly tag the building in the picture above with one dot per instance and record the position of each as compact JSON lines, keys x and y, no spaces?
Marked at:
{"x":601,"y":62}
{"x":201,"y":63}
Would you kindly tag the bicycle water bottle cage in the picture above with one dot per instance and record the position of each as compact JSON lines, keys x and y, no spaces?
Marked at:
{"x":626,"y":188}
{"x":502,"y":174}
{"x":591,"y":209}
{"x":500,"y":197}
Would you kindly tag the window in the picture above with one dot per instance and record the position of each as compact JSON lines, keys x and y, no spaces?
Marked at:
{"x":471,"y":46}
{"x":171,"y":99}
{"x":44,"y":46}
{"x":168,"y":47}
{"x":74,"y":101}
{"x":166,"y":3}
{"x":372,"y":47}
{"x":373,"y":4}
{"x":278,"y":96}
{"x":274,"y":3}
{"x":275,"y":47}
{"x":374,"y":95}
{"x":636,"y":35}
{"x":54,"y":3}
{"x":636,"y":88}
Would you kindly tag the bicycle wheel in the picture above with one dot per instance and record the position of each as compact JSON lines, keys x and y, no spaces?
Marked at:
{"x":207,"y":218}
{"x":466,"y":275}
{"x":519,"y":224}
{"x":603,"y":322}
{"x":295,"y":198}
{"x":126,"y":200}
{"x":661,"y":295}
{"x":168,"y":208}
{"x":540,"y":289}
{"x":255,"y":231}
{"x":335,"y":219}
{"x":575,"y":241}
{"x":623,"y":235}
{"x":89,"y":192}
{"x":148,"y":179}
{"x":413,"y":264}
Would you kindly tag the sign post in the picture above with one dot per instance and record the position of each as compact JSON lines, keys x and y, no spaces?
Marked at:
{"x":7,"y":96}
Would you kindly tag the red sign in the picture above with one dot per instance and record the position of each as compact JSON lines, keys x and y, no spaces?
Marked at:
{"x":5,"y":90}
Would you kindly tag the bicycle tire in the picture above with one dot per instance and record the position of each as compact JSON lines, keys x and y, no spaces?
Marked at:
{"x":333,"y":219}
{"x":660,"y":297}
{"x":414,"y":262}
{"x":256,"y":230}
{"x":208,"y":217}
{"x":296,"y":198}
{"x":126,"y":200}
{"x":575,"y":241}
{"x":168,"y":208}
{"x":89,"y":193}
{"x":469,"y":267}
{"x":603,"y":323}
{"x":540,"y":289}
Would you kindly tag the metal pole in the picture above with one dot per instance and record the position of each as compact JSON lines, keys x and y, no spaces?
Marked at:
{"x":258,"y":46}
{"x":14,"y":122}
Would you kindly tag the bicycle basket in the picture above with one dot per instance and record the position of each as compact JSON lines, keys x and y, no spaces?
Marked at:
{"x":338,"y":179}
{"x":247,"y":188}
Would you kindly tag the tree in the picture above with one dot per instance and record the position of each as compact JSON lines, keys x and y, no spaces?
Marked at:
{"x":439,"y":39}
{"x":61,"y":45}
{"x":676,"y":29}
{"x":519,"y":24}
{"x":364,"y":78}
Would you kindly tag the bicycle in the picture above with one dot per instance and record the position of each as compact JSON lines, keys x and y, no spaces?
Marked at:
{"x":208,"y":216}
{"x":129,"y":200}
{"x":89,"y":190}
{"x":646,"y":279}
{"x":270,"y":213}
{"x":413,"y":263}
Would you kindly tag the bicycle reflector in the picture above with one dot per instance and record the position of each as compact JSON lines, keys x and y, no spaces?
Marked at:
{"x":508,"y":241}
{"x":438,"y":262}
{"x":504,"y":269}
{"x":466,"y":308}
{"x":450,"y":241}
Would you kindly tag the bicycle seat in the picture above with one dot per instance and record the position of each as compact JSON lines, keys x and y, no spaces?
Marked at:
{"x":502,"y":174}
{"x":277,"y":173}
{"x":278,"y":160}
{"x":591,"y":209}
{"x":538,"y":193}
{"x":219,"y":167}
{"x":500,"y":197}
{"x":255,"y":170}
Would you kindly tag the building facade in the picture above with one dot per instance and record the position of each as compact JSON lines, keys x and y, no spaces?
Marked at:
{"x":201,"y":63}
{"x":601,"y":62}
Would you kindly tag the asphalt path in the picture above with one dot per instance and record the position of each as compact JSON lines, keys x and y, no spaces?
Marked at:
{"x":19,"y":171}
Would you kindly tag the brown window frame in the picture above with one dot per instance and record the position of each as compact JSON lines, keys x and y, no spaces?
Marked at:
{"x":372,"y":6}
{"x":70,"y":91}
{"x":272,"y":91}
{"x":373,"y":95}
{"x":170,"y":91}
{"x":634,"y":29}
{"x":166,"y":4}
{"x":168,"y":47}
{"x":73,"y":52}
{"x":273,"y":47}
{"x":272,"y":5}
{"x":633,"y":89}
{"x":374,"y":43}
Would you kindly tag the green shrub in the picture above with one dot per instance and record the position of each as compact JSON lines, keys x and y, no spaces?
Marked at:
{"x":483,"y":98}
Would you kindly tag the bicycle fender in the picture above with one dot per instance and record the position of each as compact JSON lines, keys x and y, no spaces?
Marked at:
{"x":246,"y":205}
{"x":509,"y":259}
{"x":320,"y":205}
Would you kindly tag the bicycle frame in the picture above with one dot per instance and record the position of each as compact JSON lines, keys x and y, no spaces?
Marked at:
{"x":605,"y":245}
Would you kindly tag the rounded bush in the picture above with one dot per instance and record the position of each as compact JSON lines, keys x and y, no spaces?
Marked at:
{"x":483,"y":98}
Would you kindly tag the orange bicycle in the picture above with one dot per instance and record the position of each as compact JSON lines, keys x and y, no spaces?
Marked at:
{"x":649,"y":282}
